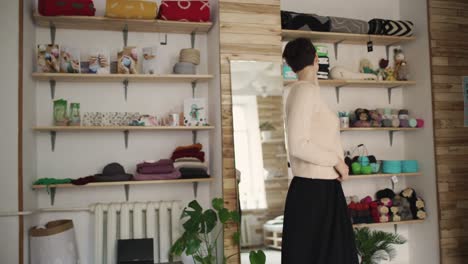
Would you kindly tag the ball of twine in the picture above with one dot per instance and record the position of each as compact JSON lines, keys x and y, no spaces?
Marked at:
{"x":190,"y":55}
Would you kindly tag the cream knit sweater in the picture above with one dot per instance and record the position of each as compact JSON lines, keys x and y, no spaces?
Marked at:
{"x":312,"y":131}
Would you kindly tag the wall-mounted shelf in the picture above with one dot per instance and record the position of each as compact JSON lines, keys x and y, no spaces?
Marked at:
{"x":52,"y":78}
{"x":390,"y":130}
{"x":115,"y":24}
{"x":418,"y":221}
{"x":346,"y":38}
{"x":338,"y":84}
{"x":52,"y":188}
{"x":125,"y":129}
{"x":383,"y":175}
{"x":273,"y":141}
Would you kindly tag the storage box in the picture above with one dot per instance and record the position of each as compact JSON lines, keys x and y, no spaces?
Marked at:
{"x":133,"y":251}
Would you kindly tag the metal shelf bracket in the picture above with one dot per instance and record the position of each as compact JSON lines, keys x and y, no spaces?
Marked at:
{"x":389,"y":91}
{"x":52,"y":195}
{"x":335,"y":47}
{"x":125,"y":35}
{"x":52,"y":84}
{"x":195,"y":189}
{"x":337,"y":92}
{"x":53,"y":29}
{"x":127,"y":191}
{"x":53,"y":137}
{"x":390,"y":137}
{"x":125,"y":84}
{"x":192,"y":39}
{"x":126,"y":133}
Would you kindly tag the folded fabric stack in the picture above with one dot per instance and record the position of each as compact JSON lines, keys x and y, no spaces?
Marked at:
{"x":324,"y":62}
{"x":190,"y":161}
{"x":156,"y":170}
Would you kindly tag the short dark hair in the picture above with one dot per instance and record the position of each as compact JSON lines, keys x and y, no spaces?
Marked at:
{"x":299,"y":53}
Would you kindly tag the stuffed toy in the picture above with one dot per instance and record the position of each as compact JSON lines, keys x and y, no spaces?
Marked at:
{"x":390,"y":74}
{"x":401,"y":67}
{"x":341,"y":73}
{"x":381,"y":73}
{"x":365,"y":66}
{"x":376,"y":118}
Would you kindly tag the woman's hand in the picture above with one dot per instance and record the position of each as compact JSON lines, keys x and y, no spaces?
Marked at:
{"x":343,"y":170}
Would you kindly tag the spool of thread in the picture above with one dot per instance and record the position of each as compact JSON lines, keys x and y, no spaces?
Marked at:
{"x":404,"y":123}
{"x":420,"y":123}
{"x":395,"y":122}
{"x":413,"y":122}
{"x":387,"y":123}
{"x":190,"y":55}
{"x":184,"y":68}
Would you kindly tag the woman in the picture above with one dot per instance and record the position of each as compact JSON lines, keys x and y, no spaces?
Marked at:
{"x":317,"y":229}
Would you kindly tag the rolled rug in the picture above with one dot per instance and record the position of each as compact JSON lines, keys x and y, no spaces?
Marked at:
{"x":184,"y":68}
{"x":190,"y":56}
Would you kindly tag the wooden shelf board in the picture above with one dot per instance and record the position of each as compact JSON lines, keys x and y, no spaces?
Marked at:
{"x":83,"y":77}
{"x":273,"y":141}
{"x":379,"y":129}
{"x":115,"y":24}
{"x":118,"y":128}
{"x":383,"y":175}
{"x":121,"y":183}
{"x":360,"y":83}
{"x":389,"y":223}
{"x":344,"y":38}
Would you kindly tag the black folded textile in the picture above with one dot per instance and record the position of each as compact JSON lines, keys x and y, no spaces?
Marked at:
{"x":298,"y":21}
{"x":389,"y":27}
{"x":193,"y":173}
{"x":324,"y":68}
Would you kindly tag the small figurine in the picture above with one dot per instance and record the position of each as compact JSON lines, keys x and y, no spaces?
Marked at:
{"x":401,"y":67}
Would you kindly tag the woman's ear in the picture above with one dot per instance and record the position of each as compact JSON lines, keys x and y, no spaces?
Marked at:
{"x":316,"y":60}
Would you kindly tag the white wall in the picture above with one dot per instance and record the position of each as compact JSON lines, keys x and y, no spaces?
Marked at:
{"x":78,"y":155}
{"x":422,"y":239}
{"x":421,"y":146}
{"x":9,"y":15}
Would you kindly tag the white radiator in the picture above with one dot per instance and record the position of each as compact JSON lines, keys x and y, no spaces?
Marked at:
{"x":157,"y":220}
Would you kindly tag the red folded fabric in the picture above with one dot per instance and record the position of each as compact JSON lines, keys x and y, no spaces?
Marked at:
{"x":149,"y":177}
{"x":83,"y":180}
{"x":194,"y":147}
{"x":182,"y":154}
{"x":66,"y":7}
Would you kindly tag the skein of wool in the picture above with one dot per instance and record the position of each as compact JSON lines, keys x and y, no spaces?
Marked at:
{"x":404,"y":123}
{"x":387,"y":123}
{"x":413,"y":122}
{"x":395,"y":122}
{"x":190,"y":55}
{"x":184,"y":68}
{"x":420,"y":123}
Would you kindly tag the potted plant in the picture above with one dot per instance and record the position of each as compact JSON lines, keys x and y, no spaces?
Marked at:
{"x":202,"y":231}
{"x":266,"y":130}
{"x":375,"y":246}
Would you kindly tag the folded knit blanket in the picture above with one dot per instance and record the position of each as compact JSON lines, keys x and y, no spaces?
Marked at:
{"x":149,"y":177}
{"x":83,"y":180}
{"x":192,"y":173}
{"x":298,"y":21}
{"x":190,"y":164}
{"x":194,"y":147}
{"x":187,"y":159}
{"x":51,"y":181}
{"x":199,"y":155}
{"x":161,"y":166}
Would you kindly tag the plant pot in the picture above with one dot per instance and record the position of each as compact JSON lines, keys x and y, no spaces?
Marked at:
{"x":266,"y":134}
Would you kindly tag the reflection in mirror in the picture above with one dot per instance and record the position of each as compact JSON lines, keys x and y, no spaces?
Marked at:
{"x":260,"y":155}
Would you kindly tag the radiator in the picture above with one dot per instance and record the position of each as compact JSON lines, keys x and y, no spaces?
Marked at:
{"x":113,"y":221}
{"x":247,"y":230}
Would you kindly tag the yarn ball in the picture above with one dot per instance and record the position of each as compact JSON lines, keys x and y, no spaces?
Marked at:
{"x":363,"y":160}
{"x":403,"y":112}
{"x":404,"y":123}
{"x":413,"y":122}
{"x":356,"y":168}
{"x":400,"y":116}
{"x":395,"y":122}
{"x":387,"y":123}
{"x":366,"y":169}
{"x":420,"y":123}
{"x":190,"y":55}
{"x":385,"y":193}
{"x":387,"y":111}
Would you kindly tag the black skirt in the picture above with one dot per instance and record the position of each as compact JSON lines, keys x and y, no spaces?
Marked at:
{"x":317,"y":229}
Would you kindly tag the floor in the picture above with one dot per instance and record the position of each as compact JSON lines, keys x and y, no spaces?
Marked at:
{"x":272,"y":256}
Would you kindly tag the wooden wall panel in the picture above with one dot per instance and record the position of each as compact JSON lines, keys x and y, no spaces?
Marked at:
{"x":249,"y":30}
{"x":449,"y":51}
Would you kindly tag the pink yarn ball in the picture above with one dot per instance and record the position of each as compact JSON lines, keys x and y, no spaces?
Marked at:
{"x":420,"y":123}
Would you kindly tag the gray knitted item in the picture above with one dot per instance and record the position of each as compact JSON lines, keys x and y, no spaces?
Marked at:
{"x":348,"y":25}
{"x":184,"y":68}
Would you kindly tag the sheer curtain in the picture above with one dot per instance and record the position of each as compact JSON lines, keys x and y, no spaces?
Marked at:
{"x":248,"y":153}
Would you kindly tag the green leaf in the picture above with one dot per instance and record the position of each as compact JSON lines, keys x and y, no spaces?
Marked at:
{"x":236,"y":237}
{"x":198,"y":258}
{"x":193,"y":245}
{"x":257,"y":257}
{"x":235,"y":216}
{"x":224,"y":215}
{"x":195,"y":206}
{"x":192,"y":225}
{"x":209,"y":221}
{"x":178,"y":247}
{"x":218,"y":204}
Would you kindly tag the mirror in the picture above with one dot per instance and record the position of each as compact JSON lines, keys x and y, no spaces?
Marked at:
{"x":260,"y":155}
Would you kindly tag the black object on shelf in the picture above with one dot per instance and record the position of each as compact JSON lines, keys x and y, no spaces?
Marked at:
{"x":133,"y":251}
